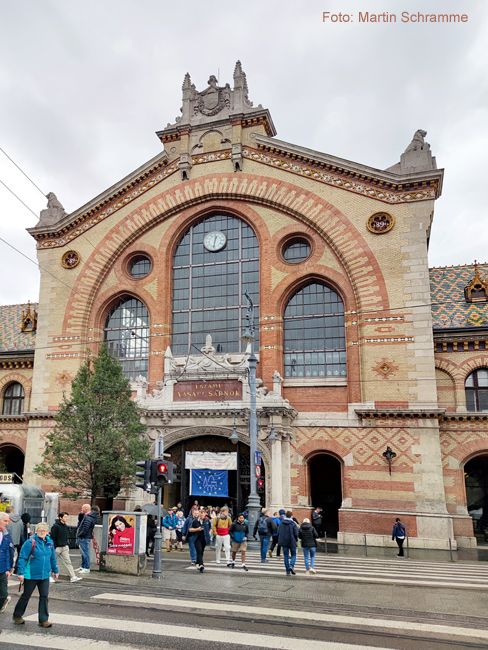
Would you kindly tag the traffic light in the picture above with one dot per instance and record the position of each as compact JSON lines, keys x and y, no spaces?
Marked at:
{"x":161,"y":472}
{"x":260,"y":484}
{"x":145,"y":484}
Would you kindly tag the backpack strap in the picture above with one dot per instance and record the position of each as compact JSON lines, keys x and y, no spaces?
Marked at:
{"x":32,"y":549}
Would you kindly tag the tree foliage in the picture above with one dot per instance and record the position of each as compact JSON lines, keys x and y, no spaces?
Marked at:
{"x":96,"y":440}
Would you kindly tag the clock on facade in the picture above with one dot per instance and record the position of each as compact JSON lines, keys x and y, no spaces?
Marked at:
{"x":215,"y":241}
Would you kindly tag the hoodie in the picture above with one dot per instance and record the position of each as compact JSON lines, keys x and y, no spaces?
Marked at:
{"x":288,"y":533}
{"x":15,"y":526}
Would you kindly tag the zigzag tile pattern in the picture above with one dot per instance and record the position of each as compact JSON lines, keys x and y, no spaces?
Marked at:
{"x":449,"y":307}
{"x":11,"y":338}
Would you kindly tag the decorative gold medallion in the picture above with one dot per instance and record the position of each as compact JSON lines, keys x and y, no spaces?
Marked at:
{"x":380,"y":222}
{"x":70,"y":259}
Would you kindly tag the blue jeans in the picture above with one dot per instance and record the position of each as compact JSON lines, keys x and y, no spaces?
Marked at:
{"x":193,"y":550}
{"x":290,"y":556}
{"x":309,"y":553}
{"x":84,"y":544}
{"x":265,"y":539}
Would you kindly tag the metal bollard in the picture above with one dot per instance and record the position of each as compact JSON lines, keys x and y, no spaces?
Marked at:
{"x":365,"y":546}
{"x":450,"y":550}
{"x":408,"y":550}
{"x":325,"y":542}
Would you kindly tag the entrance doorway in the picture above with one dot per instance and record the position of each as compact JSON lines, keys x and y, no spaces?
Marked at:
{"x":11,"y":460}
{"x":476,"y":477}
{"x":326,"y":490}
{"x":239,"y":480}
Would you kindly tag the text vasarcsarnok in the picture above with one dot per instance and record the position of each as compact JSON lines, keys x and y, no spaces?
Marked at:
{"x":387,"y":17}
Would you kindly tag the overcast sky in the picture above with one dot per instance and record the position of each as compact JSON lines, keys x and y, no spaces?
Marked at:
{"x":85,"y":85}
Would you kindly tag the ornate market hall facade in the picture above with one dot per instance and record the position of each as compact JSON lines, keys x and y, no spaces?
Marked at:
{"x":360,"y":346}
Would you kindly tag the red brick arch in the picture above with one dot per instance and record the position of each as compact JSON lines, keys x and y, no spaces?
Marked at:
{"x":233,"y":192}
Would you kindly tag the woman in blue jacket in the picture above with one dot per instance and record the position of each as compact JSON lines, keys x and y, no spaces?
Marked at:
{"x":36,"y":561}
{"x":399,"y":535}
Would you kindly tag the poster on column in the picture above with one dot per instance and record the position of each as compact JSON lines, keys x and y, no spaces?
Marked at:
{"x":209,"y":483}
{"x":121,"y":529}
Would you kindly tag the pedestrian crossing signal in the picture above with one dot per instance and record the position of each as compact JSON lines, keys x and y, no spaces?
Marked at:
{"x":161,"y":473}
{"x":260,"y":484}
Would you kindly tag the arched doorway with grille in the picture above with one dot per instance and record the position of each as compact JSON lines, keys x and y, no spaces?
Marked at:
{"x":476,"y":481}
{"x":238,"y":480}
{"x":326,"y":489}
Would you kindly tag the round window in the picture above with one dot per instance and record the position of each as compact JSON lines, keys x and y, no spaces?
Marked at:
{"x":296,"y":250}
{"x":139,"y":266}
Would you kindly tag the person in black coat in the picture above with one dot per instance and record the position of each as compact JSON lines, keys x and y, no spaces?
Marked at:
{"x":150,"y":535}
{"x":317,"y":520}
{"x":308,"y":535}
{"x":287,"y":539}
{"x":399,"y":535}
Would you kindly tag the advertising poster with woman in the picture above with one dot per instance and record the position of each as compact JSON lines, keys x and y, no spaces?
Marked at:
{"x":121,"y":529}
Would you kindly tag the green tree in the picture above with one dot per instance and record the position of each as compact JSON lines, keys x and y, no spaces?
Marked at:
{"x":97,"y":438}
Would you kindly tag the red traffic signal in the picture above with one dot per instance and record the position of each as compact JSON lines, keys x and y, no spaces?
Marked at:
{"x":260,"y":483}
{"x":162,"y":468}
{"x":162,"y":473}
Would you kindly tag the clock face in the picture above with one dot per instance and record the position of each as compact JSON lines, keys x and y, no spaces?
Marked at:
{"x":214,"y":241}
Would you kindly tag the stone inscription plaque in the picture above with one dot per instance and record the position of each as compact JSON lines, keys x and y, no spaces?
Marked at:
{"x":208,"y":391}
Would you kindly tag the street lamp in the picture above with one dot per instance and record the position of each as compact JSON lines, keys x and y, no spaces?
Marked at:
{"x":254,"y":504}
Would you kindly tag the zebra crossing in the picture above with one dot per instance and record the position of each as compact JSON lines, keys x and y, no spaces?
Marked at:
{"x":368,"y":570}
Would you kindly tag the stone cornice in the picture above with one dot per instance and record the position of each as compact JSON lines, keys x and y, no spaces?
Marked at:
{"x":466,"y":417}
{"x":14,"y":418}
{"x":12,"y":360}
{"x":400,"y":414}
{"x":40,"y":415}
{"x":383,"y":185}
{"x":108,"y":202}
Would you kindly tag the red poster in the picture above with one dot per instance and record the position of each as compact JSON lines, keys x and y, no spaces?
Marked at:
{"x":121,"y":529}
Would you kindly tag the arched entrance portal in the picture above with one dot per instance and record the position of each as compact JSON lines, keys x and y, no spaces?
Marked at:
{"x":11,"y":459}
{"x":326,"y":490}
{"x":476,"y":477}
{"x":239,"y":481}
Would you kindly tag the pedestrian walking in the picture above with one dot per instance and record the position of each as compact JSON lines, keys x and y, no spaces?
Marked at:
{"x":185,"y":536}
{"x":238,"y":533}
{"x":169,"y":529}
{"x":317,"y":520}
{"x":150,"y":535}
{"x":6,"y":560}
{"x":59,"y":536}
{"x":221,"y":525}
{"x":287,"y":539}
{"x":36,"y":562}
{"x":180,"y":522}
{"x":200,"y":532}
{"x":15,"y":529}
{"x":85,"y":533}
{"x":308,"y":534}
{"x":399,"y":535}
{"x":274,"y":539}
{"x":265,"y":527}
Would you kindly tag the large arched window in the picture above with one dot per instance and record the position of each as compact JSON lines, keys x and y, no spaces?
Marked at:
{"x":215,"y":262}
{"x":126,"y":333}
{"x":13,"y":399}
{"x":314,"y":334}
{"x":477,"y":390}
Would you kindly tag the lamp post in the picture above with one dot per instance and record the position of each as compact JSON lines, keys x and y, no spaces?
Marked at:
{"x":254,"y":504}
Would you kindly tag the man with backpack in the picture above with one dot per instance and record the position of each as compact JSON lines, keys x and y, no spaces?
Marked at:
{"x":266,"y":528}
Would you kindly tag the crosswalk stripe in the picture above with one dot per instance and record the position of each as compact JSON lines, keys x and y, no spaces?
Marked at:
{"x":24,"y":639}
{"x":186,"y":632}
{"x":242,"y":608}
{"x":403,"y":578}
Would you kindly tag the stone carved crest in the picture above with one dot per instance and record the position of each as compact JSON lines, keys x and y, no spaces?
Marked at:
{"x":212,"y":100}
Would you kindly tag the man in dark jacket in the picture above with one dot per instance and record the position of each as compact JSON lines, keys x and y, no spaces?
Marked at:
{"x":85,"y":533}
{"x":59,"y":535}
{"x":317,"y":520}
{"x":6,"y":560}
{"x":266,"y":528}
{"x":287,"y":539}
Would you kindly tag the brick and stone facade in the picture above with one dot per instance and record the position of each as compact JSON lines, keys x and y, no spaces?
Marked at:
{"x":368,"y":232}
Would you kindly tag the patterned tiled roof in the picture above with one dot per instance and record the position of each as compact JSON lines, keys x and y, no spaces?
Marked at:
{"x":449,"y":306}
{"x":11,"y":337}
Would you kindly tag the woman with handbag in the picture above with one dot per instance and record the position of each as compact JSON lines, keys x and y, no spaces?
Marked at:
{"x":36,"y":561}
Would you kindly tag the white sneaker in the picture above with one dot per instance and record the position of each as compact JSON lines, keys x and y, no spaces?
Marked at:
{"x":84,"y":571}
{"x":76,"y":578}
{"x":51,"y":579}
{"x":4,"y":607}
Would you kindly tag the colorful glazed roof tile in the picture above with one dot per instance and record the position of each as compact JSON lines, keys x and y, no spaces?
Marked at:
{"x":449,"y":306}
{"x":11,"y":336}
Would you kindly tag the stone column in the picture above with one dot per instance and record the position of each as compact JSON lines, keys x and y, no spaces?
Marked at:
{"x":276,"y":477}
{"x":285,"y":471}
